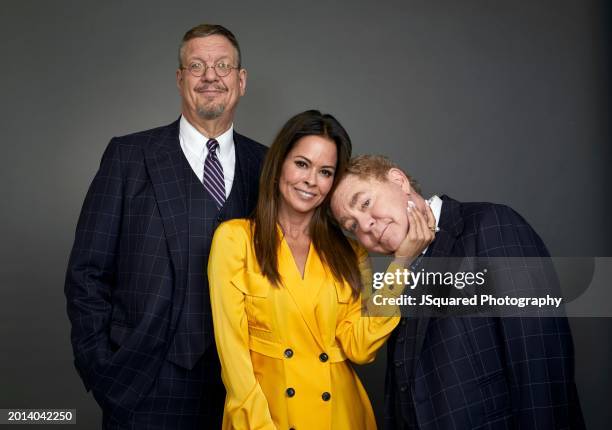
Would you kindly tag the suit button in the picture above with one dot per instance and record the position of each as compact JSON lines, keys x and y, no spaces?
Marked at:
{"x":290,"y":392}
{"x":404,"y":388}
{"x":323,"y":357}
{"x":288,"y":353}
{"x":219,"y":218}
{"x":399,"y":363}
{"x":326,"y":396}
{"x":400,"y":339}
{"x":403,"y":321}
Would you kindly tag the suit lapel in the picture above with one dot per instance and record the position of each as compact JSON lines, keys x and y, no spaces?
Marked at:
{"x":304,"y":292}
{"x":165,"y":164}
{"x":451,"y":226}
{"x":245,"y":172}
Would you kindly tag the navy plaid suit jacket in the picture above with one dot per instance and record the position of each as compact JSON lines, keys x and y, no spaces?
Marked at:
{"x":482,"y":372}
{"x":127,"y":274}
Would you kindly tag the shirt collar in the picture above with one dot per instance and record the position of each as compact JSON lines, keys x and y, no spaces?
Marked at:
{"x":196,"y":141}
{"x":435,"y":203}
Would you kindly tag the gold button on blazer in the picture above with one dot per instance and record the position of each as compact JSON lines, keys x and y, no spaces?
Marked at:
{"x":285,"y":351}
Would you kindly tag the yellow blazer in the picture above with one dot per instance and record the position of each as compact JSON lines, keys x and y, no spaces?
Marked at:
{"x":284,"y":351}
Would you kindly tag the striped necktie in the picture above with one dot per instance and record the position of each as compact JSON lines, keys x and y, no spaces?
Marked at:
{"x":213,"y":174}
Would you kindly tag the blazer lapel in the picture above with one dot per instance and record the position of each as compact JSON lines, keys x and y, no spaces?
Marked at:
{"x":165,"y":164}
{"x":303,"y":291}
{"x":451,"y":226}
{"x":245,"y":171}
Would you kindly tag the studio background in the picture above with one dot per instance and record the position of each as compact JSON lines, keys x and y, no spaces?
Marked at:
{"x":505,"y":101}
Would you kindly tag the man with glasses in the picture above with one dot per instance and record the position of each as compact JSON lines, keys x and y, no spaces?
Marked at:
{"x":136,"y":286}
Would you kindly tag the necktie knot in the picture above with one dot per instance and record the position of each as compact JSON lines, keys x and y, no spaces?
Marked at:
{"x":212,"y":145}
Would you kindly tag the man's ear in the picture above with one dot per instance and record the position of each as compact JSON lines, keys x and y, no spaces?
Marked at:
{"x":242,"y":76}
{"x":179,"y":78}
{"x":398,"y":177}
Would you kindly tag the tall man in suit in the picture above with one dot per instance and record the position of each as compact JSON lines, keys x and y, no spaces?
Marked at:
{"x":462,"y":372}
{"x":136,"y":287}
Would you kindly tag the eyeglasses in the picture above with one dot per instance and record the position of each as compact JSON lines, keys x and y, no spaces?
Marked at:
{"x":198,"y":69}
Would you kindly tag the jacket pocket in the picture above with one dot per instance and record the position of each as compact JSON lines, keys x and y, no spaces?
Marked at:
{"x":119,"y":333}
{"x":495,"y":395}
{"x":257,"y":303}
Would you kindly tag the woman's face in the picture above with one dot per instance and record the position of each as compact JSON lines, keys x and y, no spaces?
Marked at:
{"x":307,"y":174}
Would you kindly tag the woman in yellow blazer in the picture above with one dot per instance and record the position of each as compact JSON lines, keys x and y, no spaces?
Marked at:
{"x":284,"y":290}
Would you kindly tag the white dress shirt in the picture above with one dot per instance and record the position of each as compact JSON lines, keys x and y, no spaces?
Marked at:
{"x":435,"y":203}
{"x":193,"y":144}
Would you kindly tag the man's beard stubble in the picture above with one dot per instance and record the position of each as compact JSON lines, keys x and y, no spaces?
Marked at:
{"x":210,"y":113}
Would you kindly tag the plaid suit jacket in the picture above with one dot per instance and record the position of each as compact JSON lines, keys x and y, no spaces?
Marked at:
{"x":127,"y":273}
{"x":482,"y":372}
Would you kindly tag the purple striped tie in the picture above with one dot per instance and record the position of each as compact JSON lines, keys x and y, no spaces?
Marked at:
{"x":213,"y":174}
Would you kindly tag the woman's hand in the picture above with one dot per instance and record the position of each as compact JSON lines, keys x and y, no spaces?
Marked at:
{"x":421,"y":233}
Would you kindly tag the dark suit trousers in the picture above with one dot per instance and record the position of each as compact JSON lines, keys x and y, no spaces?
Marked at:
{"x":181,"y":399}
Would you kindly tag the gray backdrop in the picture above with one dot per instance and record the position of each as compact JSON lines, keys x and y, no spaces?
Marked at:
{"x":505,"y":101}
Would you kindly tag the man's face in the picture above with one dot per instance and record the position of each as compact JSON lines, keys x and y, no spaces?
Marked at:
{"x":374,"y":211}
{"x":209,"y":96}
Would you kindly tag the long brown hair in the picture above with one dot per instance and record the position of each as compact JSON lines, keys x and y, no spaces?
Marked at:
{"x":327,"y":238}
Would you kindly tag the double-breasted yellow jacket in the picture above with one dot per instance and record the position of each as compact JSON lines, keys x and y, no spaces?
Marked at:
{"x":285,"y":350}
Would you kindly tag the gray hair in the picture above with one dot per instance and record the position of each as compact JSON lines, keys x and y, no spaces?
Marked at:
{"x":204,"y":30}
